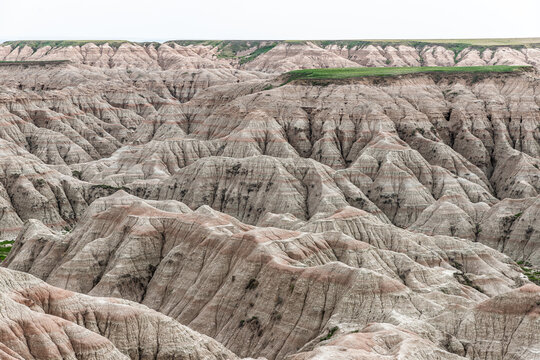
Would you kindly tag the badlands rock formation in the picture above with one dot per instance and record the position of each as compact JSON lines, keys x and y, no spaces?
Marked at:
{"x":39,"y":321}
{"x":275,"y":56}
{"x":265,"y":291}
{"x":369,"y":218}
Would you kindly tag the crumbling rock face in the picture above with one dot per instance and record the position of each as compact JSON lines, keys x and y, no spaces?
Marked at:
{"x":39,"y":321}
{"x":29,"y":189}
{"x":269,"y":291}
{"x":344,"y":219}
{"x":511,"y":227}
{"x":375,"y":342}
{"x":284,"y":56}
{"x":250,"y":187}
{"x":497,"y":321}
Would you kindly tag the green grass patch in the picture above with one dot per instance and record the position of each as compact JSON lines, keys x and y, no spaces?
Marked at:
{"x":5,"y":248}
{"x":351,"y":73}
{"x":259,"y":51}
{"x":331,"y":333}
{"x":532,"y":273}
{"x":230,"y":49}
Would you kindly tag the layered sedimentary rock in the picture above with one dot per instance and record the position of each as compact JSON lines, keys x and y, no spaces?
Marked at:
{"x":512,"y":226}
{"x":366,"y":218}
{"x":264,"y":291}
{"x":39,"y":321}
{"x":425,"y":152}
{"x":271,"y":56}
{"x":30,"y":189}
{"x":375,"y":342}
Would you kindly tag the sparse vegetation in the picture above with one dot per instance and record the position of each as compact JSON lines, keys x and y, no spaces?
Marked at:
{"x":259,"y":51}
{"x":76,"y":174}
{"x":532,"y":274}
{"x":351,"y":73}
{"x":477,"y":231}
{"x":464,"y":279}
{"x":5,"y":248}
{"x":331,"y":333}
{"x":232,"y":48}
{"x":252,"y":284}
{"x":109,"y":187}
{"x":452,"y":44}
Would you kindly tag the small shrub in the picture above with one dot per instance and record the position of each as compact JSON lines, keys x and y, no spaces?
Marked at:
{"x":477,"y":231}
{"x":252,"y":284}
{"x":76,"y":174}
{"x":532,"y":274}
{"x":331,"y":333}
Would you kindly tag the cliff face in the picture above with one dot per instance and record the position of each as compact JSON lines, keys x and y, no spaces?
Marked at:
{"x":376,"y":217}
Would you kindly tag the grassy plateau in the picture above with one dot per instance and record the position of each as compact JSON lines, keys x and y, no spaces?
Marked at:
{"x":351,"y":73}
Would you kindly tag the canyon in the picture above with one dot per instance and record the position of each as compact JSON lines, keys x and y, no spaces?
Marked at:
{"x":189,"y":200}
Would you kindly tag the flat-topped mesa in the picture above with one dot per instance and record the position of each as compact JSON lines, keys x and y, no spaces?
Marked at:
{"x":378,"y":75}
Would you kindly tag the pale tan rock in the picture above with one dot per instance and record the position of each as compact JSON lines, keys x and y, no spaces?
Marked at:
{"x":266,"y":291}
{"x":290,"y":196}
{"x":39,"y":321}
{"x":285,"y":56}
{"x":511,"y":227}
{"x":376,"y":342}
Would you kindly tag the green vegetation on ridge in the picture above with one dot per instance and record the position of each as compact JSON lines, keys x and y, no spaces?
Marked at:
{"x":351,"y":73}
{"x":529,"y":271}
{"x":5,"y":248}
{"x":233,"y":48}
{"x":247,"y":50}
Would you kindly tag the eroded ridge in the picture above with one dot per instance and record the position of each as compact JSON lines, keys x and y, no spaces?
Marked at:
{"x":267,"y":291}
{"x":378,"y":217}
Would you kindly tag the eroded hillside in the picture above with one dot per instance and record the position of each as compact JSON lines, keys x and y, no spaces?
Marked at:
{"x":278,"y":56}
{"x":377,"y":217}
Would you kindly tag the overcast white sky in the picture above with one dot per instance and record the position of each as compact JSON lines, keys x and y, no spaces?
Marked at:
{"x":274,"y":19}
